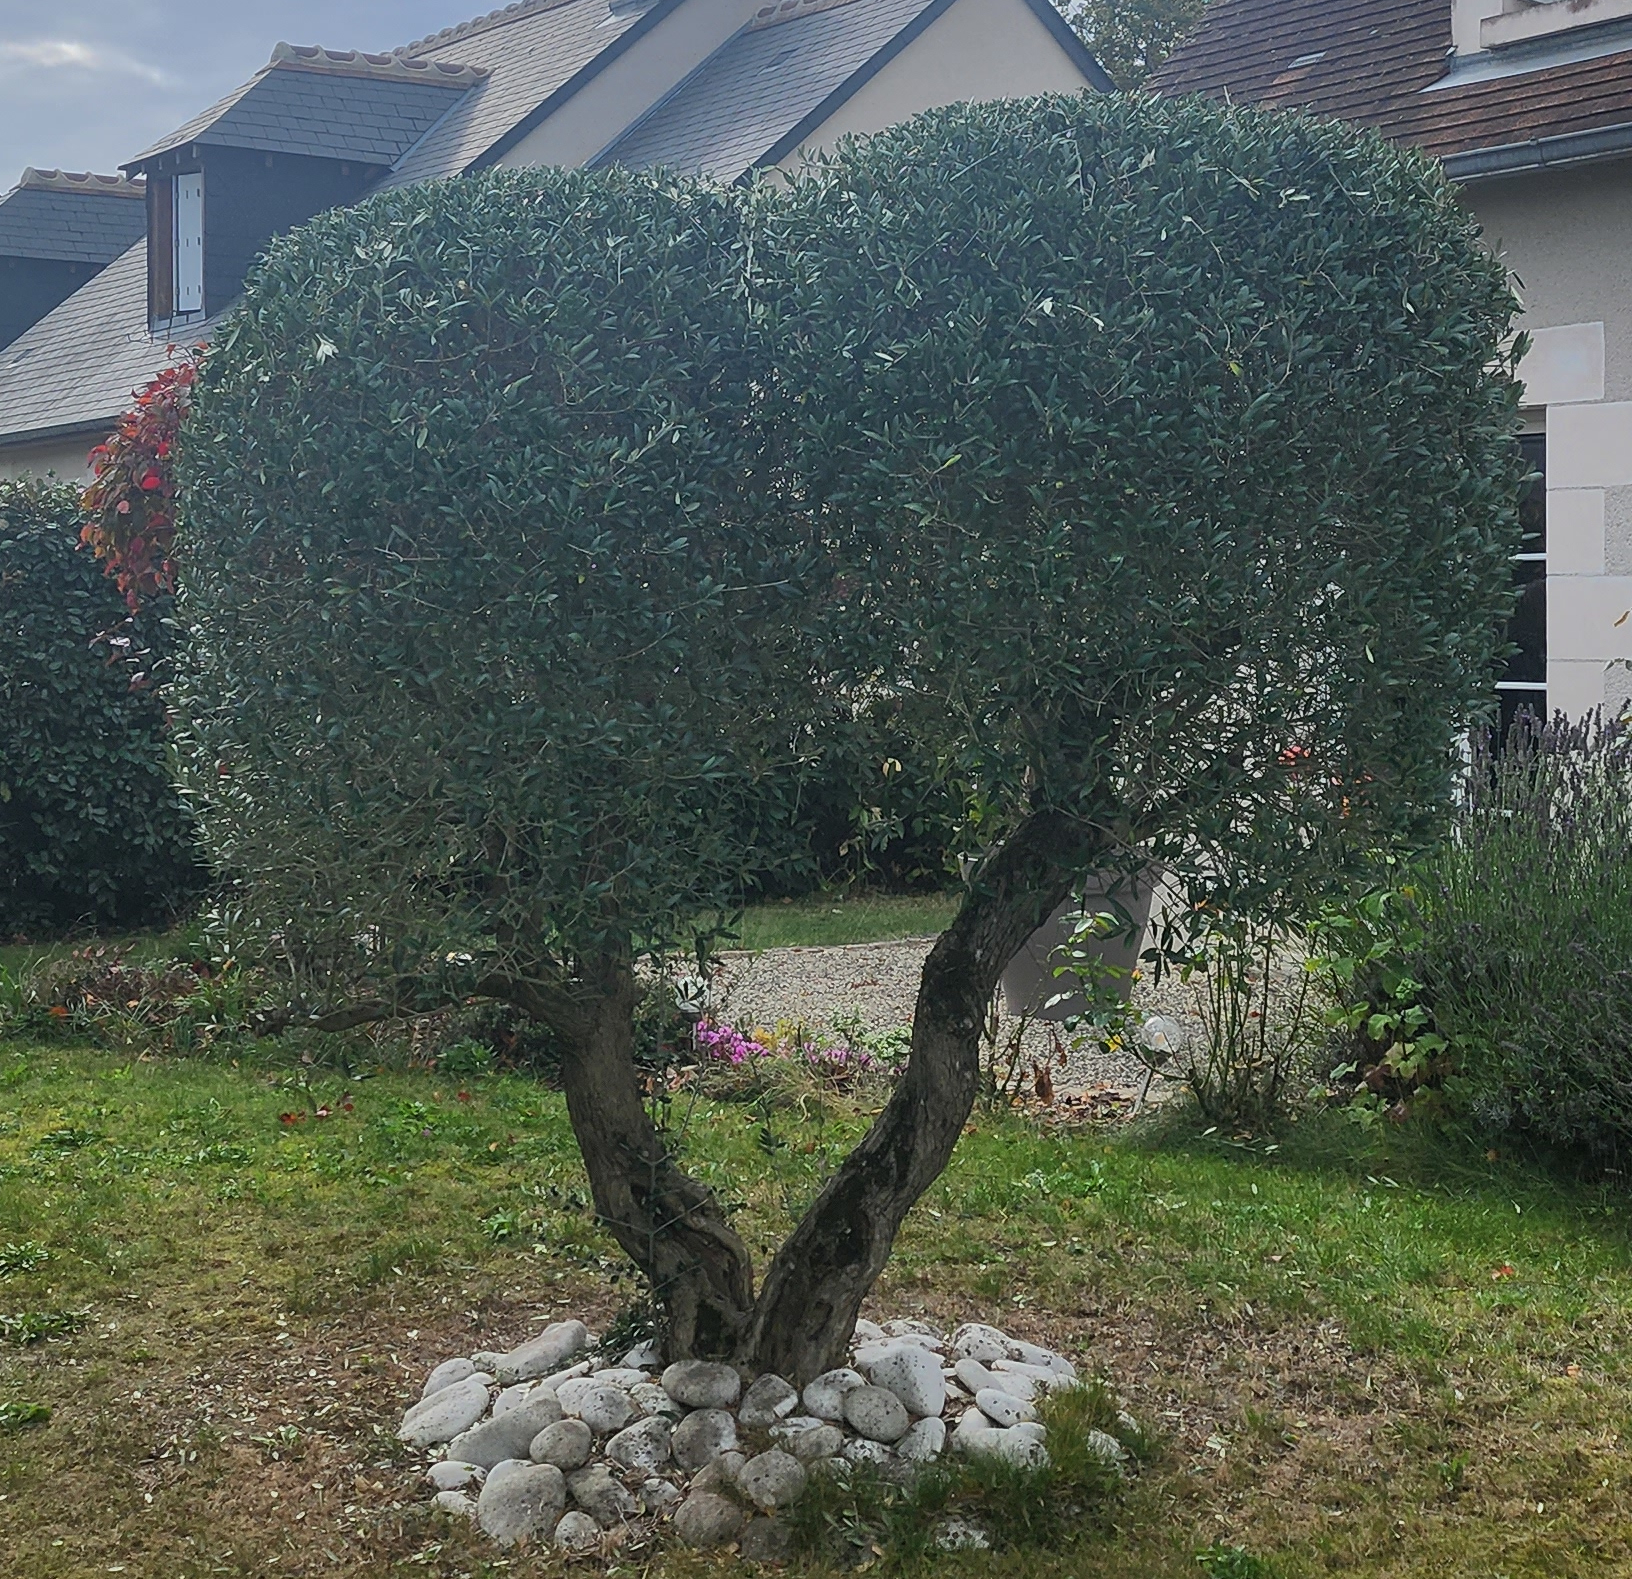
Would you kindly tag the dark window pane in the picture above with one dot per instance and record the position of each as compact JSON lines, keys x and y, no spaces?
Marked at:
{"x":1533,"y":506}
{"x":1529,"y":627}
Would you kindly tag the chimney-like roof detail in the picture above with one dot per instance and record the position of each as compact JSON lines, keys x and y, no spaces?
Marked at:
{"x":81,"y":184}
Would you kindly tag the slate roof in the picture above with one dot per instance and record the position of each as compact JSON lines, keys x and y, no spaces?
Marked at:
{"x":73,"y":219}
{"x":1375,"y":63}
{"x":738,"y":108}
{"x":81,"y":363}
{"x":531,"y":50}
{"x":307,"y":102}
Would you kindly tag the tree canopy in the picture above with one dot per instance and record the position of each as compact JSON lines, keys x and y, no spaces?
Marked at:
{"x":1131,"y":38}
{"x":543,"y":530}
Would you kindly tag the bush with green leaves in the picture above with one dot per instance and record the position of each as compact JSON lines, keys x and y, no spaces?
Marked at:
{"x":92,"y":829}
{"x":547,"y":534}
{"x":1492,"y":980}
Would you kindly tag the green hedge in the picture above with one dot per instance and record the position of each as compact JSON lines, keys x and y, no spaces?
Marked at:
{"x":92,"y":829}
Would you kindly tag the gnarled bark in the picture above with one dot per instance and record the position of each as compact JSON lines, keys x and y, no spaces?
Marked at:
{"x":813,"y":1291}
{"x":667,"y":1223}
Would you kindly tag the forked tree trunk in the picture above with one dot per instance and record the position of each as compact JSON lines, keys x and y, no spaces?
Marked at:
{"x":812,"y":1295}
{"x":668,"y":1224}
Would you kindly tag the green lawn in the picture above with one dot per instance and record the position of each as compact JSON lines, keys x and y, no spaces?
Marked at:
{"x":829,"y":919}
{"x":1365,"y":1359}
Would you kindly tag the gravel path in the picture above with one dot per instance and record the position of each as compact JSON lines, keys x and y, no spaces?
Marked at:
{"x":878,"y":984}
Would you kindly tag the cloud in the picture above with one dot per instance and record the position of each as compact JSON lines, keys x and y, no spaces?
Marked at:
{"x":55,"y":54}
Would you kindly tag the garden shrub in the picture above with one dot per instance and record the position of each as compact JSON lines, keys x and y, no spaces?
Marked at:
{"x":92,"y":829}
{"x":1495,"y":977}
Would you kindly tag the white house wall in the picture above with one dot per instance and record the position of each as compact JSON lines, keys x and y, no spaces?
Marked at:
{"x":64,"y":458}
{"x":977,"y":50}
{"x":1567,"y":237}
{"x":631,"y":84}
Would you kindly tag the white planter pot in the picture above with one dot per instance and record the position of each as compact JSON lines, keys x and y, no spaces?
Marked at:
{"x":1030,"y":986}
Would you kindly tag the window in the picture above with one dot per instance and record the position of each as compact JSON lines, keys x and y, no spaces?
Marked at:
{"x":175,"y":246}
{"x":190,"y":243}
{"x":1524,"y":685}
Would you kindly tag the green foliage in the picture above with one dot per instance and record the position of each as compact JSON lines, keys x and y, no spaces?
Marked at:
{"x":856,"y":1513}
{"x":91,"y":828}
{"x":1131,"y":38}
{"x":1495,"y":976}
{"x":1171,"y":464}
{"x":1232,"y":1562}
{"x":15,"y":1417}
{"x":497,"y":646}
{"x":35,"y":1326}
{"x":1151,"y":450}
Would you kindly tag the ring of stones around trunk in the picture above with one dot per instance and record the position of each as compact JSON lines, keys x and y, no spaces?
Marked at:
{"x":650,"y":1399}
{"x":707,"y":1519}
{"x":508,"y":1435}
{"x":520,"y":1501}
{"x":772,"y":1480}
{"x":980,"y":1343}
{"x":767,"y":1401}
{"x":702,"y":1384}
{"x":701,"y":1437}
{"x":567,"y":1444}
{"x":602,"y":1406}
{"x":824,"y":1397}
{"x":549,"y":1351}
{"x":446,"y":1413}
{"x":577,"y":1532}
{"x":721,"y":1475}
{"x":876,"y":1414}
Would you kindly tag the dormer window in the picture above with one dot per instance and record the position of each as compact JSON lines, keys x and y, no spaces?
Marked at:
{"x":175,"y":247}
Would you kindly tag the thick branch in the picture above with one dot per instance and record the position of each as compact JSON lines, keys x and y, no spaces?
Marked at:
{"x":813,"y":1290}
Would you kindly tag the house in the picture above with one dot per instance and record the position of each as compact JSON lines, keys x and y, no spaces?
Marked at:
{"x":717,"y":88}
{"x":56,"y":232}
{"x":1528,"y":106}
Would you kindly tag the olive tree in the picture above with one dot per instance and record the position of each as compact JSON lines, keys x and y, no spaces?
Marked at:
{"x":538,"y":525}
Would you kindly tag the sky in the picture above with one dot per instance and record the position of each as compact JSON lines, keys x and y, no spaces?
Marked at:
{"x":88,"y":84}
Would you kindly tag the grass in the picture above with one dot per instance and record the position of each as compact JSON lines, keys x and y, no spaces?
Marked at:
{"x":1362,"y":1356}
{"x":827,"y":920}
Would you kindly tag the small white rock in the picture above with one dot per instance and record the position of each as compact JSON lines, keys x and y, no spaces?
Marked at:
{"x":1044,"y":1359}
{"x":876,"y":1414}
{"x":767,"y":1401}
{"x":650,"y":1399}
{"x":772,"y":1480}
{"x":702,"y":1384}
{"x":642,"y":1447}
{"x":913,"y":1375}
{"x":577,"y":1532}
{"x":907,"y":1327}
{"x":701,"y":1437}
{"x":974,"y":1375}
{"x":1002,"y":1409}
{"x":657,"y":1494}
{"x":960,"y":1535}
{"x":862,"y":1451}
{"x":567,"y":1444}
{"x":452,"y":1475}
{"x":867,"y":1331}
{"x":546,"y":1353}
{"x":520,"y":1500}
{"x":824,"y":1397}
{"x":621,"y":1376}
{"x":809,"y":1439}
{"x":602,"y":1408}
{"x":507,"y":1436}
{"x":446,"y":1374}
{"x":925,"y":1441}
{"x":985,"y":1345}
{"x":456,"y":1503}
{"x":644,"y":1357}
{"x":598,"y":1493}
{"x":446,"y":1413}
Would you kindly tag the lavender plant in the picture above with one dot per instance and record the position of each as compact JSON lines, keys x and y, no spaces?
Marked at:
{"x":1526,"y":949}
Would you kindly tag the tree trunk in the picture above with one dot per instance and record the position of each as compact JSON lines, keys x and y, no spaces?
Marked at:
{"x":669,"y":1225}
{"x":813,"y":1291}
